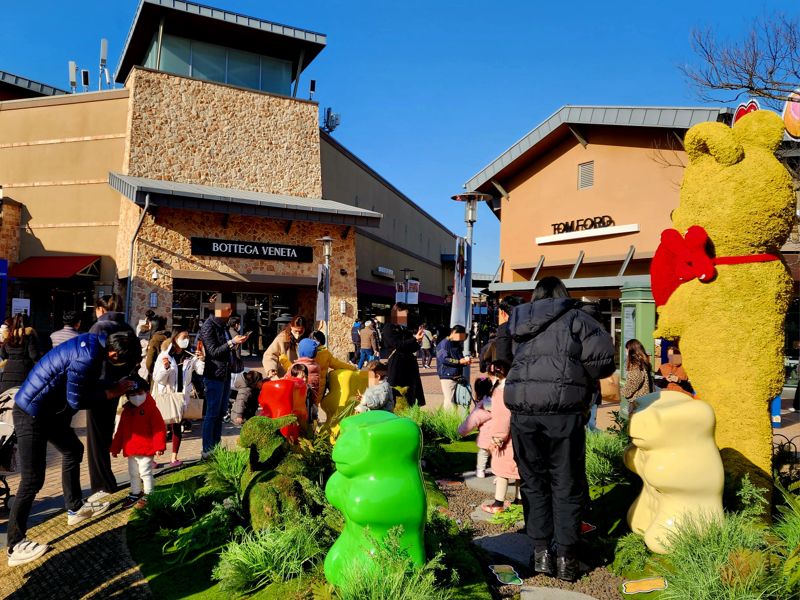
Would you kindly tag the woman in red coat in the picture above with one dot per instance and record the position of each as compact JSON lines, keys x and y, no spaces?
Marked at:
{"x":141,"y":434}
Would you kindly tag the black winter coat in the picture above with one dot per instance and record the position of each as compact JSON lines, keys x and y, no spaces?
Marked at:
{"x":215,"y":345}
{"x":106,"y":325}
{"x":403,"y":370}
{"x":20,"y":361}
{"x":502,"y":344}
{"x":560,"y":354}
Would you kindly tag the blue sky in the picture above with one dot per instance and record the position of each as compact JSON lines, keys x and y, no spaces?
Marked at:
{"x":430,"y":91}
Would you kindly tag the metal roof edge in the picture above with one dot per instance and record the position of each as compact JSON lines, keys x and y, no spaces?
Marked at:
{"x":30,"y":84}
{"x":560,"y":117}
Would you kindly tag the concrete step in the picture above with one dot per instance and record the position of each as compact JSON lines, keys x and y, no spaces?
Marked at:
{"x":515,"y":548}
{"x":481,"y":515}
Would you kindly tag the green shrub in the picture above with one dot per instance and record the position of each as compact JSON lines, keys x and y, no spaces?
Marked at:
{"x":787,"y":528}
{"x":604,"y":463}
{"x":509,"y":517}
{"x":261,"y":435}
{"x":752,"y":499}
{"x":438,"y":426}
{"x":225,"y":470}
{"x":271,"y":555}
{"x":710,"y":560}
{"x":392,"y":575}
{"x":630,"y":555}
{"x":207,"y":534}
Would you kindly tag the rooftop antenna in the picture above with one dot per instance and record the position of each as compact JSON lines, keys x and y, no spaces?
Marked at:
{"x":85,"y":79}
{"x":73,"y":76}
{"x":312,"y":88}
{"x":103,"y":60}
{"x":331,"y":120}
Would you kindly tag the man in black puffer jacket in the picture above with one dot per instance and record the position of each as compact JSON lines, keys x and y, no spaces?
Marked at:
{"x":560,"y":352}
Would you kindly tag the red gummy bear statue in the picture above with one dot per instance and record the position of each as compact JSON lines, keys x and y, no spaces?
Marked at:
{"x":285,"y":397}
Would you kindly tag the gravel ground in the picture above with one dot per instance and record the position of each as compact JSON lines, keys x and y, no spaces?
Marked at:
{"x":599,"y":582}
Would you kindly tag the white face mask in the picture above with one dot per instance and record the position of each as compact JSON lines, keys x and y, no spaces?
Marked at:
{"x":138,"y":399}
{"x":183,"y":343}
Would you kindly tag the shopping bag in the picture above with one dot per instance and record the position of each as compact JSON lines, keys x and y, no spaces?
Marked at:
{"x":170,"y":405}
{"x":194,"y":410}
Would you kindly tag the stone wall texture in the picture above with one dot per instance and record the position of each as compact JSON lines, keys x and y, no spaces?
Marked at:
{"x":9,"y":231}
{"x":184,"y":130}
{"x":193,"y":131}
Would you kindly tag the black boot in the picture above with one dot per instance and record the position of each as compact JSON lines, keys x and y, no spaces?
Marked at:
{"x":567,"y":568}
{"x":543,"y":561}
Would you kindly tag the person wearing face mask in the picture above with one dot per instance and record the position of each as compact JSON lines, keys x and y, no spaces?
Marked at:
{"x":100,"y":419}
{"x":173,"y":372}
{"x":140,"y":435}
{"x":65,"y":380}
{"x":450,"y":363}
{"x":218,"y":346}
{"x":284,"y":343}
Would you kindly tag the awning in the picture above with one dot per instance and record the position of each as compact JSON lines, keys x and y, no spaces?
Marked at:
{"x":191,"y":196}
{"x":372,"y":288}
{"x":56,"y":267}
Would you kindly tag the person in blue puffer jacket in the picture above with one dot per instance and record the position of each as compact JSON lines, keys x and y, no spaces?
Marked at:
{"x":65,"y":380}
{"x":450,"y":363}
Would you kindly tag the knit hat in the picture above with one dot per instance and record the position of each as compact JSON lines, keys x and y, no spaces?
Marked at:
{"x":307,"y":348}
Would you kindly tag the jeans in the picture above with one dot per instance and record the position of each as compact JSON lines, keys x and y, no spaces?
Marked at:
{"x":366,"y":356}
{"x":550,"y":451}
{"x":426,"y":357}
{"x":32,"y":437}
{"x":217,"y":394}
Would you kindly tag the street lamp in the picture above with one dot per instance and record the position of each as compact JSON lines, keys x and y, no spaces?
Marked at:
{"x":327,"y":249}
{"x":470,"y":200}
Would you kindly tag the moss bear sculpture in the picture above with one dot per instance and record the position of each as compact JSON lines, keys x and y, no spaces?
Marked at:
{"x":723,"y":290}
{"x":377,"y":485}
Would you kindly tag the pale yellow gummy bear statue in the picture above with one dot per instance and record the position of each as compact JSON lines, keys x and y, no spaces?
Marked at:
{"x":674,"y":453}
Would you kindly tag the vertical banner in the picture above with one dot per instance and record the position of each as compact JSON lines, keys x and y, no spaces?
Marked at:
{"x":459,"y":308}
{"x":413,"y":291}
{"x":399,"y":291}
{"x":3,"y":287}
{"x":323,"y":285}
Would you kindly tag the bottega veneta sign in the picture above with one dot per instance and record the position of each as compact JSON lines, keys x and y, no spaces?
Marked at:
{"x":582,"y":224}
{"x":243,"y":249}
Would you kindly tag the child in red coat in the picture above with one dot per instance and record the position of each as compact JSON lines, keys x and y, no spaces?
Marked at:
{"x":140,"y":435}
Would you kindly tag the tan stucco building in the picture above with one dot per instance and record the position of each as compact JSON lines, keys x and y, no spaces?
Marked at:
{"x":210,"y":175}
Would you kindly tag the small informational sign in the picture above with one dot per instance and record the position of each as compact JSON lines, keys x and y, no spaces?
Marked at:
{"x":745,"y":108}
{"x":628,"y":323}
{"x":257,"y":250}
{"x":400,"y":295}
{"x":20,"y":306}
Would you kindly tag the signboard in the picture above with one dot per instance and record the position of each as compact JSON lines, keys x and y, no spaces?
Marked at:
{"x":323,"y":296}
{"x":582,"y":224}
{"x":459,"y":313}
{"x":20,"y":306}
{"x":413,"y":292}
{"x":3,"y":287}
{"x":628,"y":324}
{"x":745,"y":108}
{"x":244,"y":249}
{"x":791,"y":114}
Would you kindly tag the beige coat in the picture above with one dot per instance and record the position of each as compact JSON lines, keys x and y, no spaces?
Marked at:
{"x":282,"y":344}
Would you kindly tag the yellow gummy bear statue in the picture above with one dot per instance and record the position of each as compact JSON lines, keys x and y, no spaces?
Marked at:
{"x":674,"y":453}
{"x":731,"y":329}
{"x":343,"y":385}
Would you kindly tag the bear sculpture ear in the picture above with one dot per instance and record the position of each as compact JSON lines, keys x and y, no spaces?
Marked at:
{"x":715,"y":140}
{"x":761,"y":128}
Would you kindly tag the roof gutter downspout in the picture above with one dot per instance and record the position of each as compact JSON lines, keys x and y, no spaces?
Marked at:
{"x":129,"y":291}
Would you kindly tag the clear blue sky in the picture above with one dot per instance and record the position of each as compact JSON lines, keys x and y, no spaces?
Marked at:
{"x":430,"y":91}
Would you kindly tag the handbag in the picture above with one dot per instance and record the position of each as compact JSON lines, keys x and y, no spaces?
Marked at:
{"x":193,"y":410}
{"x":463,"y":393}
{"x":170,"y":405}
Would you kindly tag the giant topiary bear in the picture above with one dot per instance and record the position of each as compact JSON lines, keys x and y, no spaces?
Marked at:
{"x":723,"y":289}
{"x":378,"y":485}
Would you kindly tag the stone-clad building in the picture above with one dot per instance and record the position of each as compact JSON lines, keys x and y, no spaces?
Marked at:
{"x":204,"y":174}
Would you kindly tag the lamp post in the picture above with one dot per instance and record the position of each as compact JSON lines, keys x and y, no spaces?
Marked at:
{"x":470,"y":200}
{"x":327,"y":249}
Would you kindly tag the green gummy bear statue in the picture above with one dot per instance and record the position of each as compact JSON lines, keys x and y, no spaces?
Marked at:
{"x":377,"y":485}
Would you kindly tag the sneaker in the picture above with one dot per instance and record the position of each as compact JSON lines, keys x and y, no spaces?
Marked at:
{"x":98,"y":496}
{"x":156,"y":465}
{"x":141,"y":503}
{"x":187,"y":426}
{"x":87,"y":511}
{"x":480,"y":474}
{"x":25,"y":552}
{"x":131,"y":500}
{"x":175,"y":463}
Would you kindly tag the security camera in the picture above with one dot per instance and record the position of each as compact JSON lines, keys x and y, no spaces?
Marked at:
{"x":156,"y":260}
{"x":154,"y":273}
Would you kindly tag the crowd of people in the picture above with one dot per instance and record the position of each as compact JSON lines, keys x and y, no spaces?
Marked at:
{"x":543,"y":366}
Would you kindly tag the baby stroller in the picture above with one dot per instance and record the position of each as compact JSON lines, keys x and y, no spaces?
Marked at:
{"x":8,"y":444}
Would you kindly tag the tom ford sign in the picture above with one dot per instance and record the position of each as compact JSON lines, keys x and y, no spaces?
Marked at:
{"x":243,"y":249}
{"x":583,"y":224}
